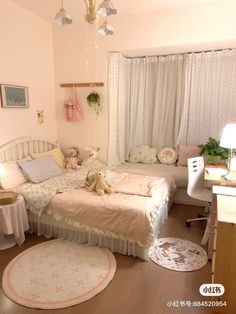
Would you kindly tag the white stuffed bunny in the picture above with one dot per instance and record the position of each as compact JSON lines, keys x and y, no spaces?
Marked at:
{"x":92,"y":155}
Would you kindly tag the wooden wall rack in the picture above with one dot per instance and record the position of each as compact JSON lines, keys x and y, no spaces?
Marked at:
{"x":91,"y":84}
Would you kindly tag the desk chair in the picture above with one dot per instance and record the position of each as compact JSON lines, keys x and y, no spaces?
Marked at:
{"x":196,"y":186}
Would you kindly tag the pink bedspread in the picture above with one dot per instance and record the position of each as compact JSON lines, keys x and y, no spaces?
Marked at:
{"x":123,"y":215}
{"x":137,"y":184}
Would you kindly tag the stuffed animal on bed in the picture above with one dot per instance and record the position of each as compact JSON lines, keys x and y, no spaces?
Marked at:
{"x":92,"y":155}
{"x":96,"y":182}
{"x":89,"y":179}
{"x":72,"y":158}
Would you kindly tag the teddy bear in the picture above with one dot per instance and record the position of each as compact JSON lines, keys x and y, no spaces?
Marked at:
{"x":72,"y":158}
{"x":96,"y":182}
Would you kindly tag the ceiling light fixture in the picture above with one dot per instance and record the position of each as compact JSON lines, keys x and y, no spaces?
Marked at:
{"x":106,"y":29}
{"x":106,"y":8}
{"x":62,"y":17}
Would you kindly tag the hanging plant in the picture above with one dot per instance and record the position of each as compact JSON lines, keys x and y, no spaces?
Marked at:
{"x":94,"y":101}
{"x":92,"y":98}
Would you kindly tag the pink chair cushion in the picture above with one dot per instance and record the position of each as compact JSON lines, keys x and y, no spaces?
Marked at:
{"x":186,"y":152}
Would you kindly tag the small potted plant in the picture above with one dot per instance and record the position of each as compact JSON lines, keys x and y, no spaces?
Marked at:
{"x":93,"y":98}
{"x":94,"y":101}
{"x":213,"y":152}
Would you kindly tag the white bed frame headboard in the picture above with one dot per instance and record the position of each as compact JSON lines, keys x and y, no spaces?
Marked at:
{"x":21,"y":147}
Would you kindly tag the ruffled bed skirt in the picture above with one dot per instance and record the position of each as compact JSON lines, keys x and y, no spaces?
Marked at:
{"x":47,"y":226}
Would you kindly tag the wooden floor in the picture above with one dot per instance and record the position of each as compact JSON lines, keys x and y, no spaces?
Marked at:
{"x":138,"y":287}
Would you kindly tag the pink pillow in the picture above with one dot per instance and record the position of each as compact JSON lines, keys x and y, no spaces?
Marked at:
{"x":186,"y":152}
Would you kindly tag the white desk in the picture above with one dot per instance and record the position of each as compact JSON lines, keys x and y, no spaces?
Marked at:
{"x":13,"y":220}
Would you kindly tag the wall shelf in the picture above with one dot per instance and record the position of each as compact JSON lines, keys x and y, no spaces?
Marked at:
{"x":90,"y":84}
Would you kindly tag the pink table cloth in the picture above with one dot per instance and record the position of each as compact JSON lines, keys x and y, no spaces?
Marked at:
{"x":14,"y":219}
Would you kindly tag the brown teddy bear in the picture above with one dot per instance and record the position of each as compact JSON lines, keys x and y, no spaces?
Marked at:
{"x":96,"y":182}
{"x":72,"y":159}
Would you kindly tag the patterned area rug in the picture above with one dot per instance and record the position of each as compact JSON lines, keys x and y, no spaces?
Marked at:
{"x":178,"y":254}
{"x":58,"y":274}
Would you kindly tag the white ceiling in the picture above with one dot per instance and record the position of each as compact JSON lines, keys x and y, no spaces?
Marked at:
{"x":47,"y":9}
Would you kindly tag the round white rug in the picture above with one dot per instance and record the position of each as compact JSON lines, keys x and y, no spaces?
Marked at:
{"x":58,"y":274}
{"x":178,"y":254}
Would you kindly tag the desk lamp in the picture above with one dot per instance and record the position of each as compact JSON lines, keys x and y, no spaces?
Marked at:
{"x":228,"y":140}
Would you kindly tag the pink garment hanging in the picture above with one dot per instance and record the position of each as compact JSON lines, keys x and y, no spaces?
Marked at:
{"x":72,"y":109}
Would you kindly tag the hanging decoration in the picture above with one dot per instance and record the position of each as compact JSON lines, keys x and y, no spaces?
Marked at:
{"x":40,"y":116}
{"x":72,"y":108}
{"x":94,"y":101}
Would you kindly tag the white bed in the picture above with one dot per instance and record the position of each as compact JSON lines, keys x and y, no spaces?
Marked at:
{"x":49,"y":226}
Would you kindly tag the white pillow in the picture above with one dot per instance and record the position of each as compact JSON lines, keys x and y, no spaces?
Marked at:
{"x":167,"y":156}
{"x":11,"y":175}
{"x":143,"y":154}
{"x":40,"y":169}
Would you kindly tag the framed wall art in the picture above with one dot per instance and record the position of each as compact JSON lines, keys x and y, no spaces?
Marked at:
{"x":13,"y":96}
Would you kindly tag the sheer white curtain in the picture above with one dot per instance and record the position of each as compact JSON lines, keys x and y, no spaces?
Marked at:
{"x":209,"y":97}
{"x":145,"y":102}
{"x":164,"y":98}
{"x":126,"y":106}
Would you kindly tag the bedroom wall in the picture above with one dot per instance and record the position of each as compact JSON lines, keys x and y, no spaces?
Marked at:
{"x":26,"y":58}
{"x":189,"y":28}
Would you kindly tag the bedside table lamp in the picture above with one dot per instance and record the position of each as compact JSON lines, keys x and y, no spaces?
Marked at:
{"x":228,"y":140}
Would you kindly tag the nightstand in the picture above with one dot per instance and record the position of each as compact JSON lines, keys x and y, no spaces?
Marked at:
{"x":13,"y":221}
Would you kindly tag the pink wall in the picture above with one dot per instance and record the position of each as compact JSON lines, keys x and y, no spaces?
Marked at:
{"x":26,"y":58}
{"x":172,"y":30}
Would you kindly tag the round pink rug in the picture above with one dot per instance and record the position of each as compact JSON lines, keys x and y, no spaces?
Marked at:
{"x":178,"y":254}
{"x":58,"y":274}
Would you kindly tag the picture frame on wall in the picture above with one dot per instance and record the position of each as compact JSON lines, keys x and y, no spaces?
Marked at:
{"x":13,"y":96}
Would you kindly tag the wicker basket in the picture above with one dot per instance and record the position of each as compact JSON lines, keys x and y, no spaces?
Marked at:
{"x":7,"y":197}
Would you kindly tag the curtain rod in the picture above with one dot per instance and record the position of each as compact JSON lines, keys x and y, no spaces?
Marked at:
{"x":177,"y":53}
